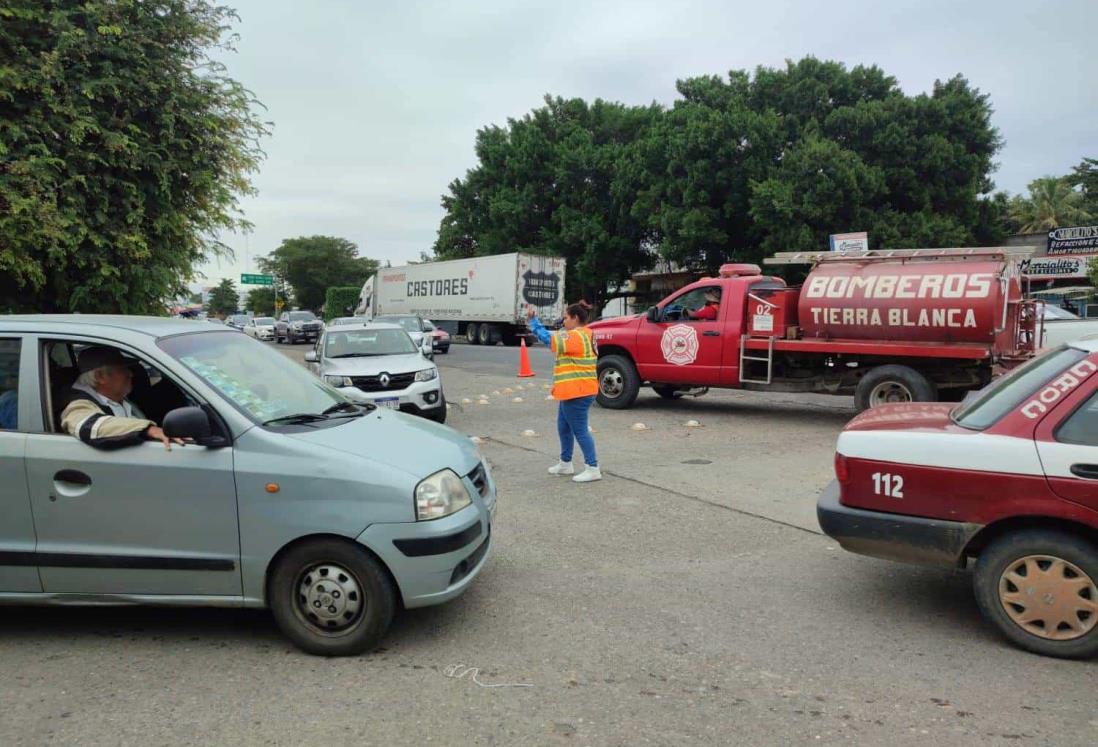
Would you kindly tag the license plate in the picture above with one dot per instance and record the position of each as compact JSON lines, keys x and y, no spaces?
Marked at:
{"x":393,"y":403}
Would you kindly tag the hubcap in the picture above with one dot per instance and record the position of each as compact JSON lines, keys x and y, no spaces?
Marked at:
{"x":611,"y":383}
{"x":329,"y":598}
{"x":888,"y":392}
{"x":1049,"y":597}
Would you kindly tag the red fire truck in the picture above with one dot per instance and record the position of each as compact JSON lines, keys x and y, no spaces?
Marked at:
{"x":886,"y":326}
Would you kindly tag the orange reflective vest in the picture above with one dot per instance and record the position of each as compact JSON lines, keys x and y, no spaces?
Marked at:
{"x":577,"y":358}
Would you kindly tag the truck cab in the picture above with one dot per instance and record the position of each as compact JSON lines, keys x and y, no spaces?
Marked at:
{"x":681,"y":343}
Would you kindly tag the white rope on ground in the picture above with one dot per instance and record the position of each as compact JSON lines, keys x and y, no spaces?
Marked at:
{"x":460,"y":671}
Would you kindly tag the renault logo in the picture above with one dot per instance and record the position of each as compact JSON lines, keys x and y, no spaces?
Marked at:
{"x":384,"y":379}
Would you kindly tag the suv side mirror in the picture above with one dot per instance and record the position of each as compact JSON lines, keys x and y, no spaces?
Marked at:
{"x":310,"y":357}
{"x":192,"y":423}
{"x":653,"y":314}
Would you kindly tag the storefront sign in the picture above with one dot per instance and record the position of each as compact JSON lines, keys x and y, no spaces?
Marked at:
{"x":1073,"y":240}
{"x":849,"y":242}
{"x":1052,"y":268}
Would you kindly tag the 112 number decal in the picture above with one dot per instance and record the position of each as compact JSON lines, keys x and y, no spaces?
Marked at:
{"x":887,"y":484}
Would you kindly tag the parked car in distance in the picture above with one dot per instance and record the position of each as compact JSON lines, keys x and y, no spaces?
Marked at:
{"x":1062,"y":326}
{"x":379,"y":363}
{"x":341,"y":320}
{"x":292,"y":497}
{"x":413,"y":325}
{"x":294,"y":326}
{"x":1008,"y":478}
{"x":260,"y":327}
{"x":440,"y":338}
{"x":238,"y":321}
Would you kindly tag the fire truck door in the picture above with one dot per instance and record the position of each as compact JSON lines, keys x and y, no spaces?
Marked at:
{"x":678,"y":348}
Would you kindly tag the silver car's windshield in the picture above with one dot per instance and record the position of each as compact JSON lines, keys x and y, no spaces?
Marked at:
{"x":302,"y":316}
{"x":261,"y":382}
{"x":360,"y":343}
{"x":264,"y":321}
{"x":409,"y":323}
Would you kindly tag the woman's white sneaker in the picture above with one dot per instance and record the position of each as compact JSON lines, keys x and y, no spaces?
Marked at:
{"x":562,"y":468}
{"x":589,"y":474}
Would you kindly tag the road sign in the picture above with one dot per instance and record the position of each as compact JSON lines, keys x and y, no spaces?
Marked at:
{"x":247,"y":279}
{"x":279,"y":304}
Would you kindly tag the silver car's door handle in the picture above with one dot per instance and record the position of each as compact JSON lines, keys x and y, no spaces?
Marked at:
{"x":70,"y":483}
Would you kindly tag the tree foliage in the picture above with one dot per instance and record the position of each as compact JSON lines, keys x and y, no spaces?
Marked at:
{"x":340,"y":301}
{"x":737,"y":168}
{"x":1085,"y":176}
{"x":224,"y":299}
{"x":312,"y":264}
{"x":1052,"y":202}
{"x":261,"y":301}
{"x":123,"y":151}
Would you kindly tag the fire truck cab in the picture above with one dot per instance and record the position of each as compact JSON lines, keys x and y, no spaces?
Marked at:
{"x":1008,"y":478}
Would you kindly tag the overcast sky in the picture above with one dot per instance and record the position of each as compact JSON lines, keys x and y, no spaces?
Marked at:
{"x":376,"y":105}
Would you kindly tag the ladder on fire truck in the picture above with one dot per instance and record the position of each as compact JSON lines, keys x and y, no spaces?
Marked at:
{"x":960,"y":253}
{"x":768,"y":360}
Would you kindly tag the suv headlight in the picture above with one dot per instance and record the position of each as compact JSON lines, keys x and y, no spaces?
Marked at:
{"x":426,"y":374}
{"x":338,"y":380}
{"x":441,"y":494}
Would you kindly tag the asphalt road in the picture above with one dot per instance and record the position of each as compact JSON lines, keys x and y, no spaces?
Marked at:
{"x":686,"y":599}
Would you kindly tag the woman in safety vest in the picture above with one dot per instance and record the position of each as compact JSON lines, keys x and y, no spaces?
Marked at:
{"x":574,"y":386}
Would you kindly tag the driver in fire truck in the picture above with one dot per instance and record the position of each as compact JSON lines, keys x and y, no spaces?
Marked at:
{"x":708,"y":312}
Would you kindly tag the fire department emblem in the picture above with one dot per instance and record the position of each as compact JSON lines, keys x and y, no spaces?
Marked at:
{"x":680,"y":344}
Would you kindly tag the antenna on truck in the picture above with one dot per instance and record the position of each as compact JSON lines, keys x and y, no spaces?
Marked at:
{"x":959,"y":253}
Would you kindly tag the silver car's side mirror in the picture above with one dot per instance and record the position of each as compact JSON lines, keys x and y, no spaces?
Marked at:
{"x":310,"y":357}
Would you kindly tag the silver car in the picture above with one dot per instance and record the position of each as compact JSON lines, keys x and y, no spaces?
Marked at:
{"x":260,"y":327}
{"x":379,"y":363}
{"x":292,"y":497}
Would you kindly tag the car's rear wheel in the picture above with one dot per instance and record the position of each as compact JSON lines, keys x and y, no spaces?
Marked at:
{"x":1040,"y":589}
{"x":331,"y":597}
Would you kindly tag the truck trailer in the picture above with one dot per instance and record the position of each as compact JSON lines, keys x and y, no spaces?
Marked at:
{"x":484,"y":297}
{"x":884,"y":326}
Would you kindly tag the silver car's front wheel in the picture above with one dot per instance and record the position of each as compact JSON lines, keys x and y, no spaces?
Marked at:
{"x":331,"y":597}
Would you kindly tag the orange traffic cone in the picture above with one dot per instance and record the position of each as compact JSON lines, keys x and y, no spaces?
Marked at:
{"x":525,"y":371}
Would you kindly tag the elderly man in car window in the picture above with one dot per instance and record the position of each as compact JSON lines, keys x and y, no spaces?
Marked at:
{"x":96,"y":409}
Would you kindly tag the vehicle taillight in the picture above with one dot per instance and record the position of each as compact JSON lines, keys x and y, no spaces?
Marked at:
{"x":842,"y":469}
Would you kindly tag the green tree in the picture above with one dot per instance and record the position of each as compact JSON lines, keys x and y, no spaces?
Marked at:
{"x":1085,"y":176}
{"x":553,"y":183}
{"x":340,"y":301}
{"x":312,"y":264}
{"x":261,"y":301}
{"x":1052,"y":202}
{"x":124,"y":149}
{"x":224,"y":299}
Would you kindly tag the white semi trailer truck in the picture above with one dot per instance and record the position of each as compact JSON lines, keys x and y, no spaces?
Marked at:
{"x":485,"y":297}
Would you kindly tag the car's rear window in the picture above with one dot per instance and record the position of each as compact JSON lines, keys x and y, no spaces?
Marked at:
{"x":1009,"y":391}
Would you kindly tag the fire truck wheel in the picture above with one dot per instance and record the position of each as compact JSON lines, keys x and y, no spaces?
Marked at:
{"x":887,"y":384}
{"x":1039,"y":587}
{"x":618,"y":382}
{"x":668,"y":392}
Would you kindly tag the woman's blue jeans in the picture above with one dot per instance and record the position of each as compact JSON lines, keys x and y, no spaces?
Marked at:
{"x":572,"y":427}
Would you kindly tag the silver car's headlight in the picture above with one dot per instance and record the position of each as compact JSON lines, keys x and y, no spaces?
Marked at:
{"x":338,"y":380}
{"x":426,"y":374}
{"x":441,"y":494}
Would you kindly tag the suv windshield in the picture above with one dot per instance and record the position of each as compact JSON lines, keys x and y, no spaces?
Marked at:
{"x":1000,"y":397}
{"x":302,"y":316}
{"x":260,"y":382}
{"x":409,"y":323}
{"x":358,"y":343}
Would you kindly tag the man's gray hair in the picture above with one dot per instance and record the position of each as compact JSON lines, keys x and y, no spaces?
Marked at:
{"x":89,"y":378}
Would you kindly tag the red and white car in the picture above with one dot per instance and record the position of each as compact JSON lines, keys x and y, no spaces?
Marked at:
{"x":1008,"y":478}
